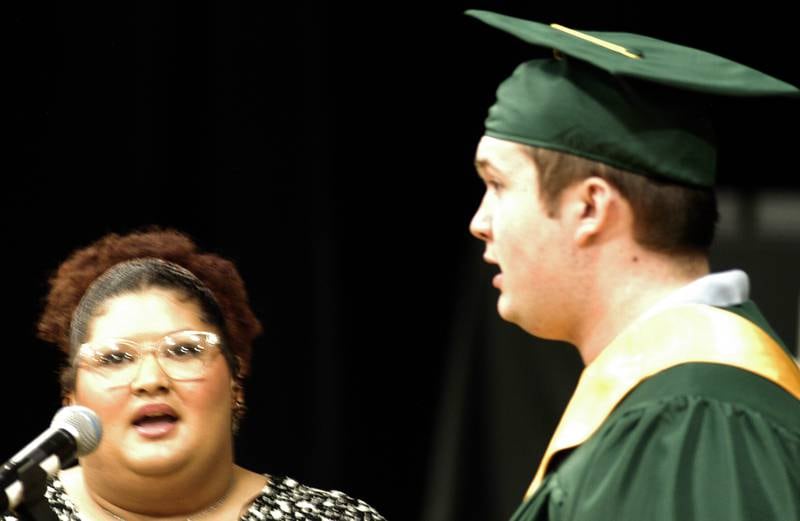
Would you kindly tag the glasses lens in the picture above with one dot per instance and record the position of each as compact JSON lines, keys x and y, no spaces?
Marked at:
{"x":116,"y":361}
{"x":184,"y":355}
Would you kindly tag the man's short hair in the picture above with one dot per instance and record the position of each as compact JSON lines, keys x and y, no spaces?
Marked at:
{"x":668,"y":217}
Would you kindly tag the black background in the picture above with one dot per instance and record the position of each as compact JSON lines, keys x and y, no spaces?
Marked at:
{"x":327,"y":150}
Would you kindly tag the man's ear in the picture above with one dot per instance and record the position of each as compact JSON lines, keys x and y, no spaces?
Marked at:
{"x":68,"y":399}
{"x":592,"y":202}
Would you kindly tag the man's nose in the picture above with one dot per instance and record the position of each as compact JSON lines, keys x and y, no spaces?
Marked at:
{"x":480,"y":225}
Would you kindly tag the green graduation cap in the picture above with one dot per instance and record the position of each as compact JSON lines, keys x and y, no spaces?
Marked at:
{"x":626,"y":100}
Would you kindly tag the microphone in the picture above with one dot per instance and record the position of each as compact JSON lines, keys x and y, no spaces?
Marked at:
{"x":74,"y":431}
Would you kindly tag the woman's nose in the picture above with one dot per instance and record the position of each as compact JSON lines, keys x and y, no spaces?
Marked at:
{"x":150,"y":377}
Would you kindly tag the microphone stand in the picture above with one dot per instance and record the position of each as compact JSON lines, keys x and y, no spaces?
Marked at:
{"x":34,"y":506}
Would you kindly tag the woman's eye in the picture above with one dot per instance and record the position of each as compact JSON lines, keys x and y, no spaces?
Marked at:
{"x":115,"y":358}
{"x":185,"y":351}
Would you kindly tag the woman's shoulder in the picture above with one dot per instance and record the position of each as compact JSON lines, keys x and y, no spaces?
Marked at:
{"x":282,"y":498}
{"x":57,"y":499}
{"x":285,"y":498}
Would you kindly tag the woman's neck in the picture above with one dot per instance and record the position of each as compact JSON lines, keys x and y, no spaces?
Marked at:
{"x":139,"y":498}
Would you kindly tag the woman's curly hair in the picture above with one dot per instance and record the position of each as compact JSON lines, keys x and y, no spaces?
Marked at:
{"x":83,"y":267}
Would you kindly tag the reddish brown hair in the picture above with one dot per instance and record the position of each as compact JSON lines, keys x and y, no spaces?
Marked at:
{"x":219,"y":275}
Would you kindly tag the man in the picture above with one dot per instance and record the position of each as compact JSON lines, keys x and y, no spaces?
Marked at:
{"x":599,"y":212}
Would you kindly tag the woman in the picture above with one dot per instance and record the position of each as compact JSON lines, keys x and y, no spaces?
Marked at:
{"x":159,"y":337}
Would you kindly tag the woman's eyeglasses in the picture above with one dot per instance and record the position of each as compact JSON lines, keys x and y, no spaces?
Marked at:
{"x":182,"y":355}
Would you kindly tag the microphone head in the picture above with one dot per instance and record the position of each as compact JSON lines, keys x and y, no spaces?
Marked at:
{"x":83,"y":424}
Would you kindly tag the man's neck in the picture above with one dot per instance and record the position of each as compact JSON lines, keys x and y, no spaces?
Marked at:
{"x":623,"y":294}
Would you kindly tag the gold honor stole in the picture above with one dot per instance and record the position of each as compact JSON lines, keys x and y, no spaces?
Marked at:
{"x":677,"y":335}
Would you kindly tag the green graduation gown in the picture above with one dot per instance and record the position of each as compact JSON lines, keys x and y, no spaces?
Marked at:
{"x":693,"y":441}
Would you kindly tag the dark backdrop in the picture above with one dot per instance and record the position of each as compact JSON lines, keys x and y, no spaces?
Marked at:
{"x":327,"y":149}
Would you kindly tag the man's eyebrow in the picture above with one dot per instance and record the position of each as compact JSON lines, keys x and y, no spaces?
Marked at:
{"x":482,"y":162}
{"x":485,"y":167}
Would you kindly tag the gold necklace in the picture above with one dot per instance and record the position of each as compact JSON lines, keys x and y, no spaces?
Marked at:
{"x":192,"y":517}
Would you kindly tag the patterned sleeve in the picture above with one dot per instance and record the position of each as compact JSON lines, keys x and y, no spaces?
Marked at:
{"x":285,"y":499}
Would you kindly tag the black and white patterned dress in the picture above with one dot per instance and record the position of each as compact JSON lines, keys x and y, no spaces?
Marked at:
{"x":281,"y":499}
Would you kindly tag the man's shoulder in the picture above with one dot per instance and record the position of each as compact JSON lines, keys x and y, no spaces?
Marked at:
{"x":743,"y":390}
{"x":698,"y":430}
{"x":750,"y":311}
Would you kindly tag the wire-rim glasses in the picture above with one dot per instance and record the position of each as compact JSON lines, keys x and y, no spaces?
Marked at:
{"x":182,"y":355}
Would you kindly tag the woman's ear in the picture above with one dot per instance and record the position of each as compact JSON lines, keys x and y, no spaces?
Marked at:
{"x":238,"y":406}
{"x":68,"y":399}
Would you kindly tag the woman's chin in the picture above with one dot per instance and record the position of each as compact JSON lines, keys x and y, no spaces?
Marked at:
{"x":156,"y":455}
{"x":156,"y":462}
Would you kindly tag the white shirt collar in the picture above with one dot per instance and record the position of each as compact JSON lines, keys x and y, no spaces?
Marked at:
{"x":722,"y":289}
